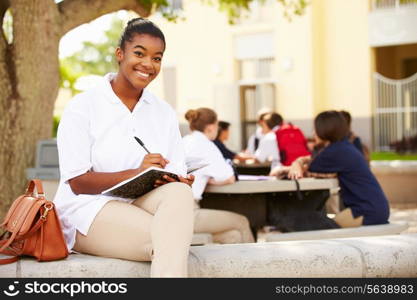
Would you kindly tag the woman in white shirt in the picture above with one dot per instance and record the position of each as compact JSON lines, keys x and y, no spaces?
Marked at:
{"x":268,"y":146}
{"x":97,"y":150}
{"x":226,"y":226}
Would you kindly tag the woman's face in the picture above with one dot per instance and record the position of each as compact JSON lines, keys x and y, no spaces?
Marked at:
{"x":224,"y":135}
{"x":211,"y":131}
{"x":140,"y":61}
{"x":265,"y":128}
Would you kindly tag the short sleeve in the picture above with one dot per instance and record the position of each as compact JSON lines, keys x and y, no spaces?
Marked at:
{"x":74,"y":144}
{"x":327,"y":161}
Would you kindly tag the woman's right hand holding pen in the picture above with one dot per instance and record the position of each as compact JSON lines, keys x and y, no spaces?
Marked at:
{"x":153,"y":160}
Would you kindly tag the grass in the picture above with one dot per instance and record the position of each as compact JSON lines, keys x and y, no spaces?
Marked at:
{"x":392,"y":156}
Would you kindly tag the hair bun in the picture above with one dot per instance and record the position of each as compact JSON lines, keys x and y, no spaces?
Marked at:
{"x":191,"y":115}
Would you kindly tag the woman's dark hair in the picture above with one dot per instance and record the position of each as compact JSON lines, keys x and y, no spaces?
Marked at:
{"x":272,"y":120}
{"x":331,"y":126}
{"x":223,"y":125}
{"x":347,"y":116}
{"x":200,"y":118}
{"x":140,"y":26}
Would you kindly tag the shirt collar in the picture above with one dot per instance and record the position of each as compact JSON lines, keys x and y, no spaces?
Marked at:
{"x":199,"y":134}
{"x":112,"y":97}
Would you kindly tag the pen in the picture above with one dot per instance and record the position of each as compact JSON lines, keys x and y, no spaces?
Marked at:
{"x":142,"y":144}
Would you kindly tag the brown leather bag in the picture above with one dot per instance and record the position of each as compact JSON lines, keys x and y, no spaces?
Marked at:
{"x":32,"y":228}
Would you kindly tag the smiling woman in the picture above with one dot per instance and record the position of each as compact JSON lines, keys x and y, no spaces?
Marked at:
{"x":97,"y":150}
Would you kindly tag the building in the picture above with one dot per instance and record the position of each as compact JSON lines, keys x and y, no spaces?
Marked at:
{"x":325,"y":59}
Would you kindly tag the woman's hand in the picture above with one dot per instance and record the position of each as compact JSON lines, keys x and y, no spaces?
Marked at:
{"x":153,"y":160}
{"x":280,"y":171}
{"x":296,"y":170}
{"x":167,"y":179}
{"x":187,"y":180}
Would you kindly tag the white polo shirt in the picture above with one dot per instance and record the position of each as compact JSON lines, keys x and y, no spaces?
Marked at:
{"x":198,"y":146}
{"x":251,"y":142}
{"x":97,"y":132}
{"x":268,"y":149}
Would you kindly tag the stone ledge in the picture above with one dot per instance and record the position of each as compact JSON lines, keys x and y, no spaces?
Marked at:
{"x":383,"y":256}
{"x":372,"y":230}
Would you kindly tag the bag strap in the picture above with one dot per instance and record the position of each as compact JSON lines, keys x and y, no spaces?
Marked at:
{"x":298,"y":191}
{"x":5,"y":243}
{"x":39,"y":188}
{"x":5,"y":261}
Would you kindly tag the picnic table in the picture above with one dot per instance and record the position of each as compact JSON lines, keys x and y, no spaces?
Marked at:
{"x":253,"y":198}
{"x":253,"y":169}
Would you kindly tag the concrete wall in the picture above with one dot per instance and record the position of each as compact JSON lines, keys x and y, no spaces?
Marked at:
{"x":342,"y":59}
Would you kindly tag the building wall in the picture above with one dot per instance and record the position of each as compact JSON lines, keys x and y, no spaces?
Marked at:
{"x":202,"y":49}
{"x":343,"y":63}
{"x":322,"y":61}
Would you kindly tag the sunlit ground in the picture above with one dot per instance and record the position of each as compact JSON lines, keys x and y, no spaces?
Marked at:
{"x":408,"y":214}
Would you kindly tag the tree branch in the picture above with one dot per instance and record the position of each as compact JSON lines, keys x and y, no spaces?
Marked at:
{"x":77,"y":12}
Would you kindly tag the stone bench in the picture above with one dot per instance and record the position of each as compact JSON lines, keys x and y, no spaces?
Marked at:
{"x":202,"y":239}
{"x":371,"y":230}
{"x":382,"y":256}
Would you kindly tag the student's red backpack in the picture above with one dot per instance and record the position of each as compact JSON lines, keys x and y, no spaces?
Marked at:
{"x":291,"y":143}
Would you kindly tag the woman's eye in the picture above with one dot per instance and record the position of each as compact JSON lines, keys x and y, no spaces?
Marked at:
{"x":157,"y":59}
{"x":138,"y":53}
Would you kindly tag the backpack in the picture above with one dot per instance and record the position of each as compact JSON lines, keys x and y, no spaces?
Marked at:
{"x":291,"y":143}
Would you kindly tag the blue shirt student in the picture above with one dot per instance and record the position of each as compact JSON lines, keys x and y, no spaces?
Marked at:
{"x":359,"y":188}
{"x":227,"y":154}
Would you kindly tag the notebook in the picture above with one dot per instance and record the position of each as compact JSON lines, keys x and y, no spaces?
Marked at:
{"x":143,"y":182}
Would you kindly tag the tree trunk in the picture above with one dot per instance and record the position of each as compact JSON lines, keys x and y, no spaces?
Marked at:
{"x":29,"y":78}
{"x":29,"y":82}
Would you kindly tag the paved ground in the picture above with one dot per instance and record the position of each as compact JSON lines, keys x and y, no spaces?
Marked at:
{"x":405,"y":214}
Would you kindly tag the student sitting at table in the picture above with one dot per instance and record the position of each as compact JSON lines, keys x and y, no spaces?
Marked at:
{"x":253,"y":141}
{"x":362,"y":196}
{"x":353,"y":138}
{"x":226,"y":226}
{"x":222,"y":136}
{"x":268,"y":147}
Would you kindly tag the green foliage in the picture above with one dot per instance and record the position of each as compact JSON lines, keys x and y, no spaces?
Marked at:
{"x":234,"y":8}
{"x":392,"y":156}
{"x":93,"y":58}
{"x":55,"y":125}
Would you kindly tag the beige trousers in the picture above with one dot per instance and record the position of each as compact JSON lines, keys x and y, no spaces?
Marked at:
{"x":226,"y":227}
{"x":157,"y":226}
{"x":345,"y":219}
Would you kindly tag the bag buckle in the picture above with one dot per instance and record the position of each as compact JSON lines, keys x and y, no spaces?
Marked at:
{"x":48,"y":207}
